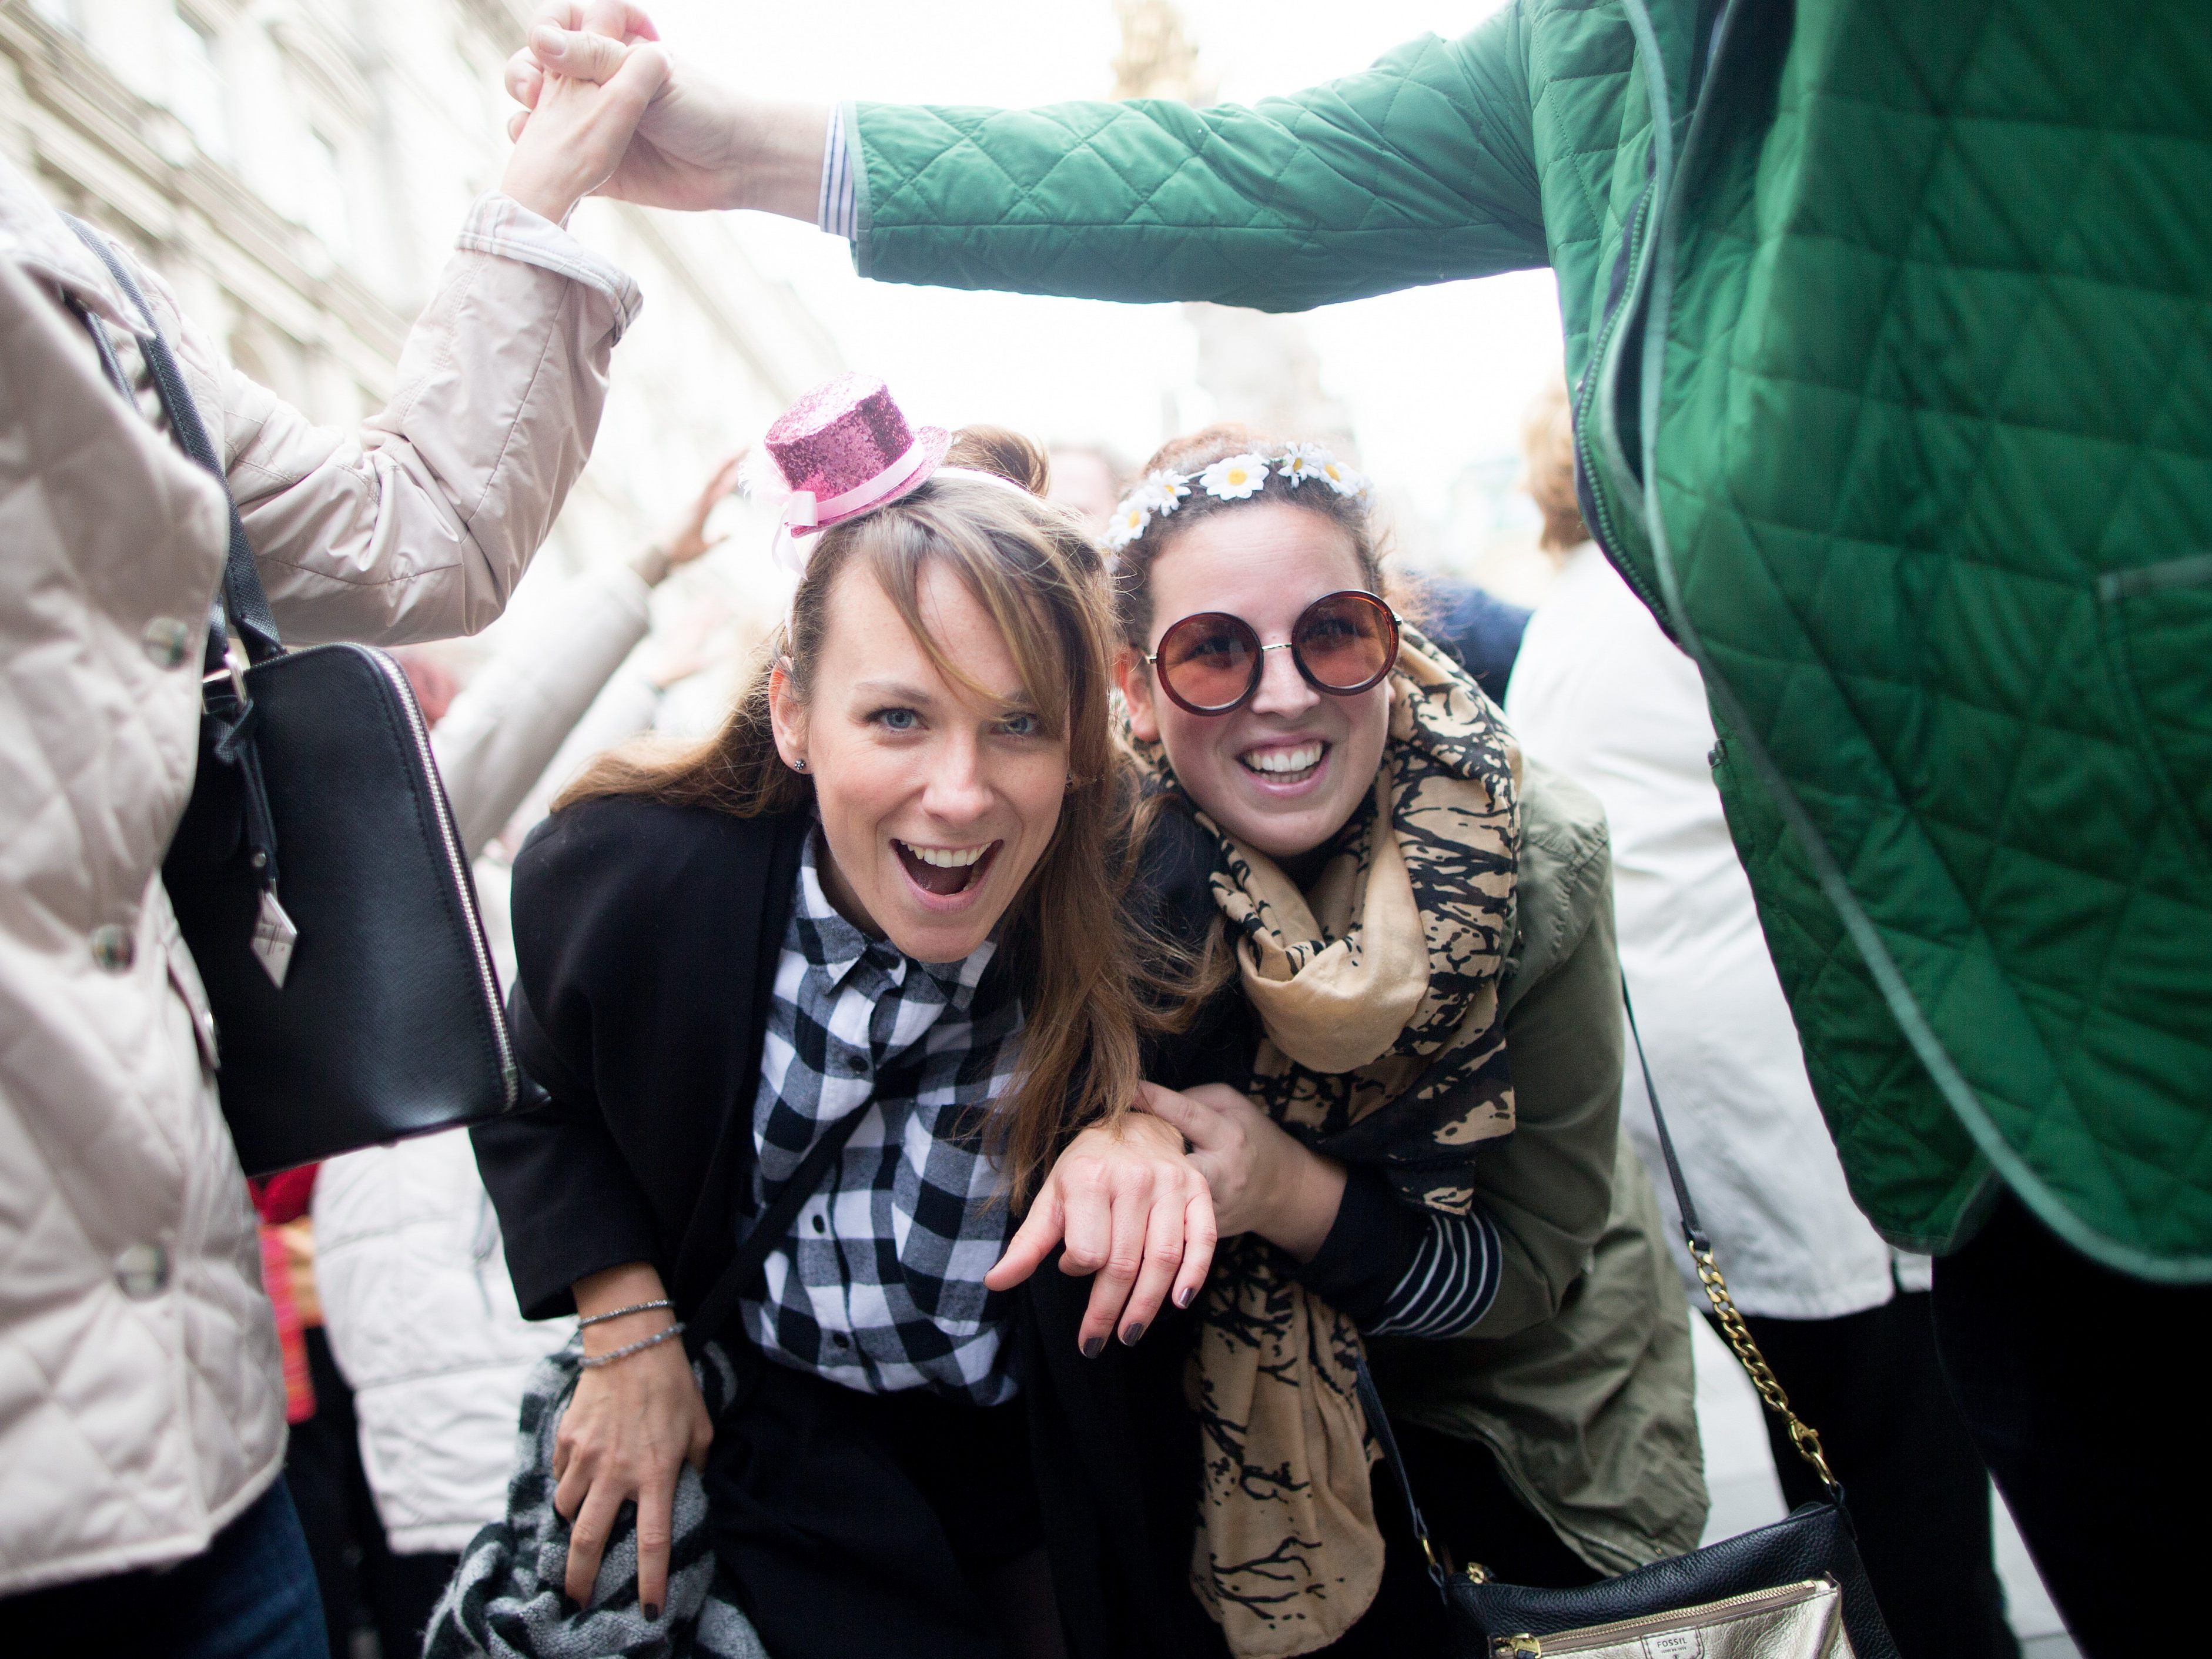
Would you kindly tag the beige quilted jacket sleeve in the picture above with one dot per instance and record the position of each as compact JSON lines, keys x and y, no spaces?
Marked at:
{"x":417,"y":525}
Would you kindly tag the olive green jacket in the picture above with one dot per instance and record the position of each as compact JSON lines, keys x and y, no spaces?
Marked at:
{"x":1578,"y":1377}
{"x":1890,"y":325}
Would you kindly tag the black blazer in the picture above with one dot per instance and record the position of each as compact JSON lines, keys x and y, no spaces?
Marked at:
{"x":646,"y":939}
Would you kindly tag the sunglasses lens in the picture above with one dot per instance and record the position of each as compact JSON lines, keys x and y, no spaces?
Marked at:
{"x":1206,"y":661}
{"x":1348,"y":641}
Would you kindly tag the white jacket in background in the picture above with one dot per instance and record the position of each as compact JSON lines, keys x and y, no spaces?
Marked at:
{"x":142,"y":1406}
{"x":416,"y":1303}
{"x":421,"y":1320}
{"x":1601,"y":693}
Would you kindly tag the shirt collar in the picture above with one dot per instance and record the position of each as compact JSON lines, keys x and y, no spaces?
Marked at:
{"x":837,"y":948}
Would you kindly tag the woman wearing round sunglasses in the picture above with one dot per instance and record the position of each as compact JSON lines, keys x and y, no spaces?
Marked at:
{"x":1422,"y":1164}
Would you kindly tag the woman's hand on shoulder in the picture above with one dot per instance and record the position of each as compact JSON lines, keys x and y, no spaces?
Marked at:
{"x":1134,"y":1210}
{"x":628,"y":1429}
{"x":1264,"y":1179}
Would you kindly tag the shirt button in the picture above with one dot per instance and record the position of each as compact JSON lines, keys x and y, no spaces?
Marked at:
{"x":113,"y":948}
{"x":820,"y":1225}
{"x":169,"y":642}
{"x":852,"y":1065}
{"x":142,"y":1271}
{"x":840,"y":1340}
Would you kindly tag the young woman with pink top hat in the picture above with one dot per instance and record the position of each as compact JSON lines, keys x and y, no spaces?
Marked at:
{"x":876,"y":909}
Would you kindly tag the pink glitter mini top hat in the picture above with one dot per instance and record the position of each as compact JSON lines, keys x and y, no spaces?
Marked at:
{"x":845,"y":449}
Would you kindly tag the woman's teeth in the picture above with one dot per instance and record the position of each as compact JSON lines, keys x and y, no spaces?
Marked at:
{"x":947,"y":858}
{"x":944,"y":870}
{"x":1277,"y":763}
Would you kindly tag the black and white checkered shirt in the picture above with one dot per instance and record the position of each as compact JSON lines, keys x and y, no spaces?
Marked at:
{"x":880,"y":1284}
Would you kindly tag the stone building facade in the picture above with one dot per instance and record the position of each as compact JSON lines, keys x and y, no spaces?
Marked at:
{"x":297,"y":169}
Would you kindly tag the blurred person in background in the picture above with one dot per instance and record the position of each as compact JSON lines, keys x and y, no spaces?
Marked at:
{"x":1087,"y":479}
{"x":415,"y":1349}
{"x":1843,"y":1318}
{"x":1892,"y":419}
{"x":1483,"y":631}
{"x":142,"y":1395}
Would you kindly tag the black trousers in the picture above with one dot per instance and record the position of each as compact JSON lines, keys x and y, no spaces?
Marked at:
{"x":2076,"y":1384}
{"x":855,"y":1523}
{"x":360,"y":1578}
{"x":1870,"y":1384}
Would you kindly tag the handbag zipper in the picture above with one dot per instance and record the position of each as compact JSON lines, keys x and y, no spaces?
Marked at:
{"x":1525,"y":1646}
{"x":455,"y":864}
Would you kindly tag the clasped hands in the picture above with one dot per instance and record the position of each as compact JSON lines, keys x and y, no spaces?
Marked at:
{"x":1139,"y":1203}
{"x":689,"y":144}
{"x":576,"y":136}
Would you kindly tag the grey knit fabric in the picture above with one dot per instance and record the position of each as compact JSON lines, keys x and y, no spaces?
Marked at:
{"x":506,"y":1602}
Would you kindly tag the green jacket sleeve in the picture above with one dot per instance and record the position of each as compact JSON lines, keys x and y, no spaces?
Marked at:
{"x":1418,"y":170}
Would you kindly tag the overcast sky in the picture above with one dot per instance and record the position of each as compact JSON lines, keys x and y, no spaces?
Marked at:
{"x":1435,"y":377}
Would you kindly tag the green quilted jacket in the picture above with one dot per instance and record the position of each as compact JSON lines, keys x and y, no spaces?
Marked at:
{"x":1890,"y":323}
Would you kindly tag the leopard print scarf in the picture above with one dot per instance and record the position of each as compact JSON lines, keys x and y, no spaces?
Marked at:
{"x":1378,"y":991}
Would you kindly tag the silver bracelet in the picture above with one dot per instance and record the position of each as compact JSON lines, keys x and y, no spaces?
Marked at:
{"x":592,"y":1362}
{"x":619,"y":1313}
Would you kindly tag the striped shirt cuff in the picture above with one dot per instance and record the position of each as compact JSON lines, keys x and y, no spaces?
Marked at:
{"x":837,"y":211}
{"x":1451,"y":1284}
{"x":1397,"y":1270}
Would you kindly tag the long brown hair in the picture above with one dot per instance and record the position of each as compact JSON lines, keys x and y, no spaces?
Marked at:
{"x":1067,"y":942}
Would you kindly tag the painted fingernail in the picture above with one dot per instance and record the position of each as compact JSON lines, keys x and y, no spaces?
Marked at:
{"x":652,"y":1611}
{"x":1093,"y":1346}
{"x":1132,"y":1332}
{"x":1183,"y":1296}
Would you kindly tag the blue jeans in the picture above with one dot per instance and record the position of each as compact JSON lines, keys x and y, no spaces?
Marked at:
{"x":252,"y":1596}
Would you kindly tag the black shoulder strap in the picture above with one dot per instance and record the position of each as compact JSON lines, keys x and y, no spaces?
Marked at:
{"x":1693,"y":1231}
{"x":242,"y":593}
{"x":1378,"y":1419}
{"x":771,"y":1229}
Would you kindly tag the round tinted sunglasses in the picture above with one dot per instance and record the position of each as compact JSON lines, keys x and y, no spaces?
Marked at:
{"x":1343,"y":643}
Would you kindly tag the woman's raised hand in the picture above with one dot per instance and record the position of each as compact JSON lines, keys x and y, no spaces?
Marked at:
{"x":698,"y":145}
{"x":1134,"y":1210}
{"x":578,"y":131}
{"x":1264,"y":1179}
{"x":688,"y":540}
{"x":629,"y":1428}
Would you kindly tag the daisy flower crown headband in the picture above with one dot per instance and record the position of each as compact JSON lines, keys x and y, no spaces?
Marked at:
{"x":1232,"y":478}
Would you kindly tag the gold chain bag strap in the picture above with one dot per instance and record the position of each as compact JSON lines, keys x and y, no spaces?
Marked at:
{"x":1792,"y":1590}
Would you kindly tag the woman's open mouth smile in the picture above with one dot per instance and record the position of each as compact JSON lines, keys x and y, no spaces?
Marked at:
{"x":947,"y":873}
{"x":1286,"y":765}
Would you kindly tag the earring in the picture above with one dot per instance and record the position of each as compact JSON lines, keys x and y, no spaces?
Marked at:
{"x":800,"y":763}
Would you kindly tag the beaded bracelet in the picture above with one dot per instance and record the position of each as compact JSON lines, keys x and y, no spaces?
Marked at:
{"x":618,"y":1312}
{"x":592,"y":1362}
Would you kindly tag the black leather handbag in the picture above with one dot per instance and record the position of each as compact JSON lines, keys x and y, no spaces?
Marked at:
{"x":317,"y":876}
{"x":1796,"y":1590}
